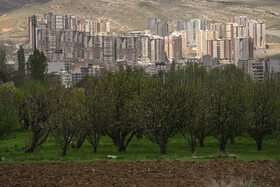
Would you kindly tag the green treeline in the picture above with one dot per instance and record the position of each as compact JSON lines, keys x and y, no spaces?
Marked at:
{"x":194,"y":103}
{"x":35,"y":68}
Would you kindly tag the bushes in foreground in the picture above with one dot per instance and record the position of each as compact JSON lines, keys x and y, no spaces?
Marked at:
{"x":191,"y":102}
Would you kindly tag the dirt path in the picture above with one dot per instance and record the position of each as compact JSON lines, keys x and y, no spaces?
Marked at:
{"x":176,"y":173}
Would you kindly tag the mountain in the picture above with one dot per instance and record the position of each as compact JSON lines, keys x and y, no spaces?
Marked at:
{"x":7,"y":5}
{"x":127,"y":15}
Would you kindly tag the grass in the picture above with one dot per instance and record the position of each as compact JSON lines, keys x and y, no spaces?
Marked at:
{"x":245,"y":149}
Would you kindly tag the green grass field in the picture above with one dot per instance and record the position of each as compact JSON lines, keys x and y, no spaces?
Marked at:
{"x":245,"y":149}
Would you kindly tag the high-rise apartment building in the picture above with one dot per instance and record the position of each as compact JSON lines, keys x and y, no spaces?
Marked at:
{"x":220,"y":49}
{"x":260,"y":38}
{"x":156,"y":49}
{"x":240,"y":20}
{"x":219,"y":28}
{"x":233,"y":30}
{"x":184,"y":35}
{"x":103,"y":47}
{"x":144,"y":47}
{"x":162,"y":28}
{"x":258,"y":70}
{"x":193,"y":26}
{"x":253,"y":29}
{"x":229,"y":31}
{"x":152,"y":25}
{"x":57,"y":22}
{"x":201,"y":41}
{"x":43,"y":38}
{"x":243,"y":48}
{"x":71,"y":22}
{"x":128,"y":49}
{"x":32,"y":31}
{"x":61,"y":36}
{"x":173,"y":47}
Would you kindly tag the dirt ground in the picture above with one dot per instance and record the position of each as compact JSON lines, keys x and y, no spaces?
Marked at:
{"x":176,"y":173}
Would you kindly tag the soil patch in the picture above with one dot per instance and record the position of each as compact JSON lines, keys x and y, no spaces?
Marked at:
{"x":176,"y":173}
{"x":6,"y":24}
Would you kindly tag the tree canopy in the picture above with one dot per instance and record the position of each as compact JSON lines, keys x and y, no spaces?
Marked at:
{"x":37,"y":66}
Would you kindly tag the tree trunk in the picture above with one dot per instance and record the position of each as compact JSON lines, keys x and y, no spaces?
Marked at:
{"x":121,"y":141}
{"x":223,"y":143}
{"x":201,"y":136}
{"x":192,"y":142}
{"x":121,"y":147}
{"x":93,"y":139}
{"x":119,"y":138}
{"x":115,"y":140}
{"x":64,"y":151}
{"x":163,"y":149}
{"x":45,"y":138}
{"x":232,"y":140}
{"x":192,"y":147}
{"x":129,"y":139}
{"x":80,"y":141}
{"x":33,"y":144}
{"x":120,"y":144}
{"x":72,"y":145}
{"x":201,"y":142}
{"x":163,"y":146}
{"x":259,"y":144}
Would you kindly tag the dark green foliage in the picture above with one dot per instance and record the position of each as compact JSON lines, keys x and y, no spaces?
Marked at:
{"x":9,"y":118}
{"x":68,"y":116}
{"x":120,"y":91}
{"x":37,"y":65}
{"x":5,"y":70}
{"x":227,"y":104}
{"x":263,"y":113}
{"x":97,"y":110}
{"x":188,"y":101}
{"x":192,"y":127}
{"x":196,"y":124}
{"x":20,"y":74}
{"x":161,"y":114}
{"x":3,"y":65}
{"x":35,"y":112}
{"x":21,"y":60}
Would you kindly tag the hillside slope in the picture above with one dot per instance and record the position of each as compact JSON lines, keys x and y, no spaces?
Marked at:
{"x":127,"y":15}
{"x":7,"y":5}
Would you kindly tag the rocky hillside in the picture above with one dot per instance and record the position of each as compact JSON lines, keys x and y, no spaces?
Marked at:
{"x":8,"y":5}
{"x":127,"y":15}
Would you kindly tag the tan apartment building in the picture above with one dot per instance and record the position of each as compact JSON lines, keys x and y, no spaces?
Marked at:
{"x":220,"y":49}
{"x":173,"y":46}
{"x":201,"y":41}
